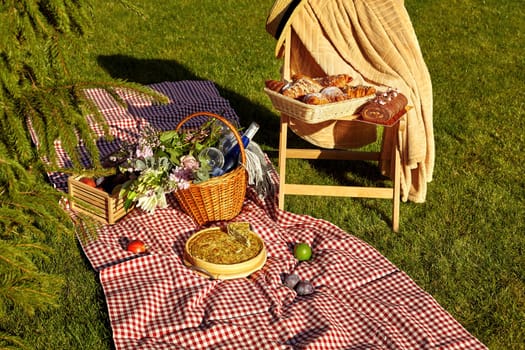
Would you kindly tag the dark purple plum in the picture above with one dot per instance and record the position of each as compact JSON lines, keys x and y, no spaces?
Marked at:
{"x":291,"y":280}
{"x":304,"y":288}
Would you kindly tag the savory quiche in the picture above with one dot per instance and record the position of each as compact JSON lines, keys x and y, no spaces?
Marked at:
{"x":219,"y":247}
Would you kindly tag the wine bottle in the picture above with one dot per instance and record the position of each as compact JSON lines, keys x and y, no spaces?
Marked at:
{"x":227,"y":141}
{"x":231,"y":158}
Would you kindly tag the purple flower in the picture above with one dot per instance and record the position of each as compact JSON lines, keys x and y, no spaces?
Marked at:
{"x":183,"y":185}
{"x":144,"y":152}
{"x":181,"y":177}
{"x":189,"y":162}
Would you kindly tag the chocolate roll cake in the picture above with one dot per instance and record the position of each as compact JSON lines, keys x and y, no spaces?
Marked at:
{"x":384,"y":107}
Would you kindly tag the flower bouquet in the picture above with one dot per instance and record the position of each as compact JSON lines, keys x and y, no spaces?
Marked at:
{"x":167,"y":161}
{"x":178,"y":162}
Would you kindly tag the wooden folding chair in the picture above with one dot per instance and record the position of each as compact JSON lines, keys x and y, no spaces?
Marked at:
{"x":392,"y":193}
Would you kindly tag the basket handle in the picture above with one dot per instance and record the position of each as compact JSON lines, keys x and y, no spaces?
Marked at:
{"x":225,"y":122}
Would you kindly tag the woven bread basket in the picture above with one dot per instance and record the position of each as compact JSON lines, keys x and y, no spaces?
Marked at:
{"x":307,"y":113}
{"x":328,"y":126}
{"x":221,"y":197}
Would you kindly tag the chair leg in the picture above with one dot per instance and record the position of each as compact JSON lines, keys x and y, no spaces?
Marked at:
{"x":395,"y":194}
{"x":396,"y":191}
{"x":282,"y":158}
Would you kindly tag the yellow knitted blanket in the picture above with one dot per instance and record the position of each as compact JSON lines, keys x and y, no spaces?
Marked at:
{"x":373,"y":40}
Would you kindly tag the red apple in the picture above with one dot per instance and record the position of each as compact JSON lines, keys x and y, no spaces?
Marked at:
{"x":136,"y":246}
{"x":88,"y":181}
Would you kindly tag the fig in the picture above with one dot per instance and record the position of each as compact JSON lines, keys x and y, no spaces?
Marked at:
{"x":304,"y":288}
{"x":291,"y":280}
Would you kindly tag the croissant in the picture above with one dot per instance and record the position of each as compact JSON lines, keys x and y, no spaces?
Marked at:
{"x":358,"y":91}
{"x":300,"y":87}
{"x":315,"y":98}
{"x":334,"y":94}
{"x":339,"y":80}
{"x":274,"y":85}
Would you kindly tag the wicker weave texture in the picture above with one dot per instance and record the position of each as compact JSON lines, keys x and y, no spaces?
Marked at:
{"x":221,"y":197}
{"x":306,"y":113}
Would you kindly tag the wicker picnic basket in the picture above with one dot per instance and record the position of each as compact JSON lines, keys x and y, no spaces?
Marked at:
{"x":221,"y":197}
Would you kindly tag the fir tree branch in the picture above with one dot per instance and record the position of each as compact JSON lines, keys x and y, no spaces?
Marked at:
{"x":11,"y":342}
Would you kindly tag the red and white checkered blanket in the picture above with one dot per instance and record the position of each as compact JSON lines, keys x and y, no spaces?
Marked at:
{"x":361,"y":300}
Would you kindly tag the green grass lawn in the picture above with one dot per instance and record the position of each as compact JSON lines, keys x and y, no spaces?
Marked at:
{"x":465,"y":245}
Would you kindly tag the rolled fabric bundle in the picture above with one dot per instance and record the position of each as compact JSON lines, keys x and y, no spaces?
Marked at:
{"x":384,"y":107}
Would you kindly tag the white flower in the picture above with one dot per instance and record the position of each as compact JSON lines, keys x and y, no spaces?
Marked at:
{"x":147,"y":203}
{"x":152,"y":200}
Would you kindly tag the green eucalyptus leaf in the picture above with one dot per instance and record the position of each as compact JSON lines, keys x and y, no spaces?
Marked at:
{"x":201,"y":175}
{"x":128,"y":203}
{"x":199,"y":147}
{"x":164,"y":163}
{"x":140,"y":164}
{"x":168,"y":136}
{"x":174,"y":156}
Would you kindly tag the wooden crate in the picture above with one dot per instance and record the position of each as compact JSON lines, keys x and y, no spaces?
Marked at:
{"x":95,"y":202}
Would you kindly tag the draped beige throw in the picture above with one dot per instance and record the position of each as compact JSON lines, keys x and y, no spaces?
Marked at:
{"x":373,"y":40}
